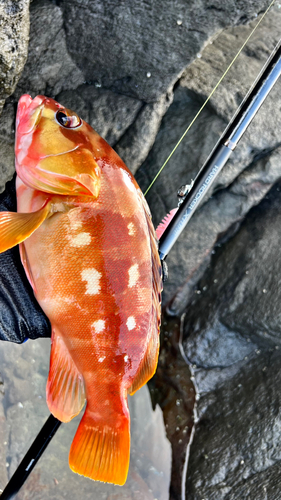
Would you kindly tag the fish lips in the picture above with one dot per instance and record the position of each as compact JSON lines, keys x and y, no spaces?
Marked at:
{"x":28,"y":113}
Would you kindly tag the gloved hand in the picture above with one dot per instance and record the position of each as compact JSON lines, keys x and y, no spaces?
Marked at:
{"x":21,"y":317}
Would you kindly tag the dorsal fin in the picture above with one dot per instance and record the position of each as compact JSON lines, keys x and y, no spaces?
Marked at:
{"x":149,"y":364}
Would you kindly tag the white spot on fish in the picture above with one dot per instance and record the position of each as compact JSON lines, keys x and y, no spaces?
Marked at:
{"x":98,"y":325}
{"x":131,"y":323}
{"x":128,"y":181}
{"x":92,"y":276}
{"x":132,"y":229}
{"x":101,"y":359}
{"x":80,"y":240}
{"x":133,"y":275}
{"x":126,"y":358}
{"x":76,"y":224}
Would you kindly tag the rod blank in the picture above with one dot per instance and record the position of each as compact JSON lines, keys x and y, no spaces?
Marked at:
{"x":223,"y":149}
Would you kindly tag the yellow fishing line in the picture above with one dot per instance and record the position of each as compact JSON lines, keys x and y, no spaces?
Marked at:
{"x":208,"y":98}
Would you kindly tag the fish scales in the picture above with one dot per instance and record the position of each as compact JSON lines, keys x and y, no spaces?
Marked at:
{"x":111,"y":298}
{"x":90,"y":252}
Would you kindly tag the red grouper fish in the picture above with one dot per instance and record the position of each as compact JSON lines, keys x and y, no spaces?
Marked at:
{"x":89,"y":250}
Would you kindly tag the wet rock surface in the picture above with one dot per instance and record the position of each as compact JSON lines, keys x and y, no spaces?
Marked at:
{"x":238,"y":435}
{"x":14,"y":31}
{"x":47,"y":52}
{"x":132,"y":71}
{"x":172,"y":388}
{"x":7,"y":140}
{"x":240,"y":292}
{"x":249,"y":173}
{"x":234,"y":340}
{"x":3,"y":437}
{"x":147,"y":47}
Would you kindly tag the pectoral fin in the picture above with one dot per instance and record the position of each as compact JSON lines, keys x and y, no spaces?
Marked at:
{"x":16,"y":227}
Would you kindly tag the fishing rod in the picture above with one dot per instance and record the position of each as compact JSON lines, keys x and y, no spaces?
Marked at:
{"x":238,"y":125}
{"x":191,"y":199}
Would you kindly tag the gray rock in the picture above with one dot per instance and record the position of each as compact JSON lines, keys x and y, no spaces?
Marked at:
{"x":219,"y":346}
{"x":205,"y":72}
{"x":14,"y":23}
{"x":240,"y":293}
{"x":24,"y":370}
{"x":110,"y":114}
{"x":140,"y":49}
{"x":232,"y":333}
{"x":246,"y":178}
{"x":237,"y":440}
{"x":208,"y":378}
{"x":49,"y":68}
{"x":265,"y":484}
{"x":185,"y":162}
{"x":7,"y":139}
{"x":3,"y":439}
{"x":220,"y":215}
{"x":135,"y":144}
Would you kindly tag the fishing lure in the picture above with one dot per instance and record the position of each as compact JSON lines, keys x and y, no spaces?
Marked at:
{"x":90,"y":252}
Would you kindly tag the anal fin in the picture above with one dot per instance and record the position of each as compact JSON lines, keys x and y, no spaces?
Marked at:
{"x":16,"y":227}
{"x":65,"y":385}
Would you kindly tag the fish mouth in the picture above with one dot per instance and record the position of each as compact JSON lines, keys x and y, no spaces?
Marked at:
{"x":29,"y":112}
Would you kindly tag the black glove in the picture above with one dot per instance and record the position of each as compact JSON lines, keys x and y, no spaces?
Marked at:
{"x":21,"y":317}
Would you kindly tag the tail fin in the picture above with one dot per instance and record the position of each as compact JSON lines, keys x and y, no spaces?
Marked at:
{"x":101,"y":450}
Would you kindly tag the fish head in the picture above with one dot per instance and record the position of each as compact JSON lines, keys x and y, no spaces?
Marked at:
{"x":54,"y":149}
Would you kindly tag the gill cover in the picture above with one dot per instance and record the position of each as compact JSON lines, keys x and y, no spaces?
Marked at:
{"x":54,"y":149}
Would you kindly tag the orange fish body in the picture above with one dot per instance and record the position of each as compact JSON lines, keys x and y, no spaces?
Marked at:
{"x":90,"y":252}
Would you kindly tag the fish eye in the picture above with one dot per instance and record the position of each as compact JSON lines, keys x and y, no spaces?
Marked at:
{"x":67,"y":118}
